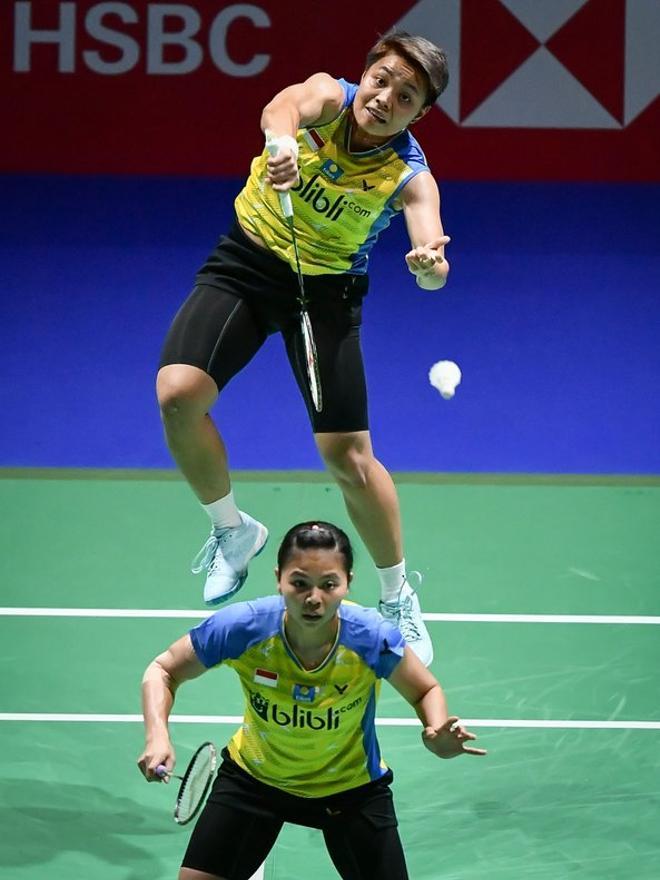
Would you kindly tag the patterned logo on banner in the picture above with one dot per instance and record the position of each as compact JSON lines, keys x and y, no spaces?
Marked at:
{"x":553,"y":73}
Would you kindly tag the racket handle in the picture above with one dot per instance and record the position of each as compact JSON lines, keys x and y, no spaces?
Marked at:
{"x":286,"y":205}
{"x":285,"y":198}
{"x":162,"y":771}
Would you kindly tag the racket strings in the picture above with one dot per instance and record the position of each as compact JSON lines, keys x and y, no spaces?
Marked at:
{"x":195,"y":784}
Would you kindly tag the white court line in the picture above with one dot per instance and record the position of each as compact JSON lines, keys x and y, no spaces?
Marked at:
{"x":543,"y":618}
{"x":196,"y":614}
{"x":381,"y":722}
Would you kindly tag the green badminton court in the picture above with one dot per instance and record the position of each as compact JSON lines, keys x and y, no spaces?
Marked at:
{"x":542,"y":600}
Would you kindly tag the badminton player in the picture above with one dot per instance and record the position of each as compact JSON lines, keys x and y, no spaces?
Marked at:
{"x":310,"y":666}
{"x":348,"y":159}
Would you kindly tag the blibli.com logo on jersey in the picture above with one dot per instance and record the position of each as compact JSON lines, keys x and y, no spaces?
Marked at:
{"x":297,"y":717}
{"x":315,"y":194}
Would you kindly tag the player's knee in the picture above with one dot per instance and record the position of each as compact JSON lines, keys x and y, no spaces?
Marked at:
{"x":183,"y":393}
{"x":192,"y":874}
{"x":175,"y":406}
{"x":347,"y":464}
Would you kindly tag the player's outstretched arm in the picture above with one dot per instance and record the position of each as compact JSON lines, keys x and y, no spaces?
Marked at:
{"x":315,"y":101}
{"x":161,"y":679}
{"x":421,"y":208}
{"x":442,"y":734}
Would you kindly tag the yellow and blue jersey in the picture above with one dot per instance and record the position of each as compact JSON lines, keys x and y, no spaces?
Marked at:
{"x":310,"y":732}
{"x":343,"y":200}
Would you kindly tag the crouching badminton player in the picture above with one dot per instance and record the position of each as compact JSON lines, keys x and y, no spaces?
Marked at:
{"x":310,"y":666}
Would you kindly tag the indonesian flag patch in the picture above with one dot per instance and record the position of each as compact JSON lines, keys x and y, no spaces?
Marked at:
{"x":265,"y":677}
{"x":313,"y":139}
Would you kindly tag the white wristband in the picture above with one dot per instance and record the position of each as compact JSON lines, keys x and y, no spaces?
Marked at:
{"x":284,"y":141}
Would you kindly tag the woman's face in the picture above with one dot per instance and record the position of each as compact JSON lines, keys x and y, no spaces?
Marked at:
{"x":313,"y":583}
{"x":390,"y":96}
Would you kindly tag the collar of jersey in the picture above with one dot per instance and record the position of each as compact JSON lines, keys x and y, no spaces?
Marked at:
{"x":348,"y":128}
{"x":293,"y":654}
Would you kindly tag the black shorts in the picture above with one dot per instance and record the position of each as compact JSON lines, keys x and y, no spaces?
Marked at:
{"x":243,"y":294}
{"x":243,"y":817}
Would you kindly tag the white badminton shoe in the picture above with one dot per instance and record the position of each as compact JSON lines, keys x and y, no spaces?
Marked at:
{"x":226,"y":555}
{"x":406,"y":615}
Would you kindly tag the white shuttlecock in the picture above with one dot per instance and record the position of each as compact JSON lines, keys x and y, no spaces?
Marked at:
{"x":445,"y":376}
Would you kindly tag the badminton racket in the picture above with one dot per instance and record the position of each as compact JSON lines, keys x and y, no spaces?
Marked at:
{"x":309,"y":345}
{"x":195,"y":782}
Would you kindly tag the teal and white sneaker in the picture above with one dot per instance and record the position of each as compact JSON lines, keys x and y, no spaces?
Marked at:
{"x":226,"y":555}
{"x":406,"y":615}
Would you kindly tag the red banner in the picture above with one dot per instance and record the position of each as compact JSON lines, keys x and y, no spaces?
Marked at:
{"x":549,"y":91}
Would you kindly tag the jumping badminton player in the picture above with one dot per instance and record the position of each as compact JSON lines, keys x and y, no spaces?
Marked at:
{"x":310,"y":666}
{"x":350,"y":163}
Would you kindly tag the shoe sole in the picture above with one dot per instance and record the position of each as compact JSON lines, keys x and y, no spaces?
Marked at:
{"x":428,"y":662}
{"x":263,"y":537}
{"x":422,"y":660}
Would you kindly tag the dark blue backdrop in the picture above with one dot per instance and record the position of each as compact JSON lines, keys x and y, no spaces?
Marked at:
{"x":552,"y":312}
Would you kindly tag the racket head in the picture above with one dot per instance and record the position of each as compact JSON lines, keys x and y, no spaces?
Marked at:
{"x":195,"y":783}
{"x":311,"y":360}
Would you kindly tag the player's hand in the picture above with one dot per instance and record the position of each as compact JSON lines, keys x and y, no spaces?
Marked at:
{"x":157,"y":751}
{"x":449,"y":740}
{"x":423,"y":260}
{"x":282,"y":170}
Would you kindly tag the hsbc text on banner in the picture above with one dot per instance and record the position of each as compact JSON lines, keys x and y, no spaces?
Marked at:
{"x":545,"y":91}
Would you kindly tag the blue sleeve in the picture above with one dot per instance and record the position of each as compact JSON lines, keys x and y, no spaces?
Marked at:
{"x":226,"y":634}
{"x":374,"y":639}
{"x":392,"y":645}
{"x":409,"y":151}
{"x":349,"y":92}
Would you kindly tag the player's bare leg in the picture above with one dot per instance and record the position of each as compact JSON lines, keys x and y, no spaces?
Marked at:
{"x":369,"y":493}
{"x":185,"y":395}
{"x":373,"y":506}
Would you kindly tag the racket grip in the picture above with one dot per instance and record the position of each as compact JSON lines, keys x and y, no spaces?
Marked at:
{"x":285,"y":198}
{"x":286,"y":205}
{"x":162,"y":771}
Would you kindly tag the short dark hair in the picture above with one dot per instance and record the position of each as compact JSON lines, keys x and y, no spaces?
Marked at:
{"x":315,"y":535}
{"x":429,"y":59}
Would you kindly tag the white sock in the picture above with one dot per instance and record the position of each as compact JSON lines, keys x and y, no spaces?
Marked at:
{"x":391,"y":581}
{"x":224,"y":513}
